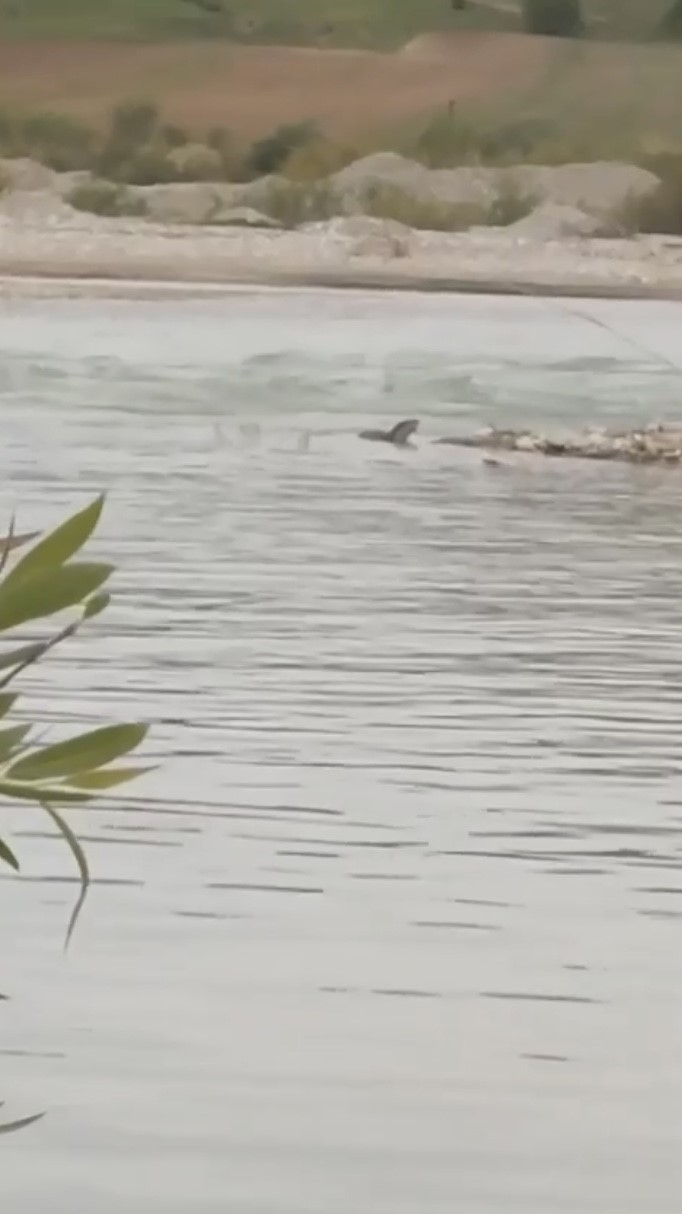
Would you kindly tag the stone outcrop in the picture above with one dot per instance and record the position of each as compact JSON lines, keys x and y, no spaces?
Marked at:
{"x":186,"y":202}
{"x":655,"y":443}
{"x":363,"y":236}
{"x":552,"y":221}
{"x":578,"y":200}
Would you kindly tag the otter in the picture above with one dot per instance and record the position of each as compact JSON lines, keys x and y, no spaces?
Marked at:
{"x":399,"y":435}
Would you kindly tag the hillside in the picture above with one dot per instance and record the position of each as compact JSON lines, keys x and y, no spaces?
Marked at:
{"x":384,"y":24}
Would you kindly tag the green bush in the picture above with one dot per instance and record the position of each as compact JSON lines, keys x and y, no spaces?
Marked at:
{"x":232,"y":160}
{"x":392,"y":202}
{"x":661,"y":211}
{"x":105,"y":198}
{"x":670,"y":25}
{"x":317,"y":159}
{"x":387,"y":201}
{"x":515,"y":141}
{"x":554,"y":18}
{"x":511,"y":204}
{"x":9,"y":135}
{"x":294,"y":202}
{"x":149,"y":165}
{"x":57,"y":141}
{"x":134,"y":123}
{"x":42,"y":583}
{"x":173,"y":136}
{"x":220,"y":139}
{"x":270,"y":154}
{"x":195,"y":162}
{"x":448,"y":140}
{"x":131,"y":127}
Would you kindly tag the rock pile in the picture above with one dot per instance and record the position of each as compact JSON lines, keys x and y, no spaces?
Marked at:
{"x":600,"y":189}
{"x":656,"y":443}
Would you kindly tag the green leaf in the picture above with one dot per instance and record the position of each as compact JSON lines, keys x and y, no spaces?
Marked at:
{"x":96,"y":604}
{"x":7,"y":546}
{"x":7,"y":699}
{"x":81,"y":861}
{"x":8,"y":856}
{"x":10,"y":738}
{"x":11,"y":1126}
{"x":100,"y":780}
{"x":83,"y":753}
{"x":11,"y":541}
{"x":59,"y":545}
{"x":20,"y":655}
{"x":20,"y":790}
{"x":45,"y":593}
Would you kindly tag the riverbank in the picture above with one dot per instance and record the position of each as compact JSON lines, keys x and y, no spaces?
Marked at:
{"x":325,"y":255}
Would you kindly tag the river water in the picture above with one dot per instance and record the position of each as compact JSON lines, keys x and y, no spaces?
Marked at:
{"x":396,"y":928}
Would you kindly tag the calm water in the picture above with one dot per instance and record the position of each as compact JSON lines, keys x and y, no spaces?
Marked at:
{"x":397,"y":927}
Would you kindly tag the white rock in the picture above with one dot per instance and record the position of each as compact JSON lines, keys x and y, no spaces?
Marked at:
{"x":186,"y":202}
{"x":25,"y":174}
{"x":602,"y":188}
{"x":550,"y":221}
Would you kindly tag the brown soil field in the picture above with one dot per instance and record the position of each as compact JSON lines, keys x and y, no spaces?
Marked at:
{"x":252,"y":89}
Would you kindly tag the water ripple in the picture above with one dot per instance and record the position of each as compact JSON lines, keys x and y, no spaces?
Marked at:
{"x":398,"y":700}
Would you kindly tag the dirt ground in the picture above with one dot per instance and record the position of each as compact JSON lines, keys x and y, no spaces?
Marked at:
{"x":252,"y":89}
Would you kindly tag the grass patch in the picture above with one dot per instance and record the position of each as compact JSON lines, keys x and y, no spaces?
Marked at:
{"x":293,"y":203}
{"x":392,"y":202}
{"x":105,"y":198}
{"x":136,"y":147}
{"x":270,"y":154}
{"x":318,"y":158}
{"x":661,"y":211}
{"x":372,"y":23}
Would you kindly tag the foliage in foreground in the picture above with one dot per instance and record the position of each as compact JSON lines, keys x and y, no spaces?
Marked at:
{"x":44,"y":582}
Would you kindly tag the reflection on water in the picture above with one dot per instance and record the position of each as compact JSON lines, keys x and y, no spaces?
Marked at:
{"x":393,"y":929}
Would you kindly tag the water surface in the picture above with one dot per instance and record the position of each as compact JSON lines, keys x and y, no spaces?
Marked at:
{"x":396,"y":927}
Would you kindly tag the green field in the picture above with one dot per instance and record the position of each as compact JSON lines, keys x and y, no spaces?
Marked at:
{"x":371,"y":23}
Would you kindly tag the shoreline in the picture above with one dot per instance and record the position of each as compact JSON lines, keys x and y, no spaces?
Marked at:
{"x":100,"y":254}
{"x":101,"y":277}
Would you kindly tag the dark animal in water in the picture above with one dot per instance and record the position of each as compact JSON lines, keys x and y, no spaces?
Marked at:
{"x":399,"y":436}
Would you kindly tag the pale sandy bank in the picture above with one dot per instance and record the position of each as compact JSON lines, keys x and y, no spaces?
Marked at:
{"x":337,"y":254}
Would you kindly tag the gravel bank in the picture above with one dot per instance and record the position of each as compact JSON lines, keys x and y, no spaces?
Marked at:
{"x":40,"y":236}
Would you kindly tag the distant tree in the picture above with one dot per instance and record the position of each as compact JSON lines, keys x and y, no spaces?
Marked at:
{"x":671,"y":22}
{"x":269,"y":154}
{"x":554,"y":18}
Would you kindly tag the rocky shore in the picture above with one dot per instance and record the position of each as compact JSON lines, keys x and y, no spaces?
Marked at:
{"x":657,"y":443}
{"x":557,"y":249}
